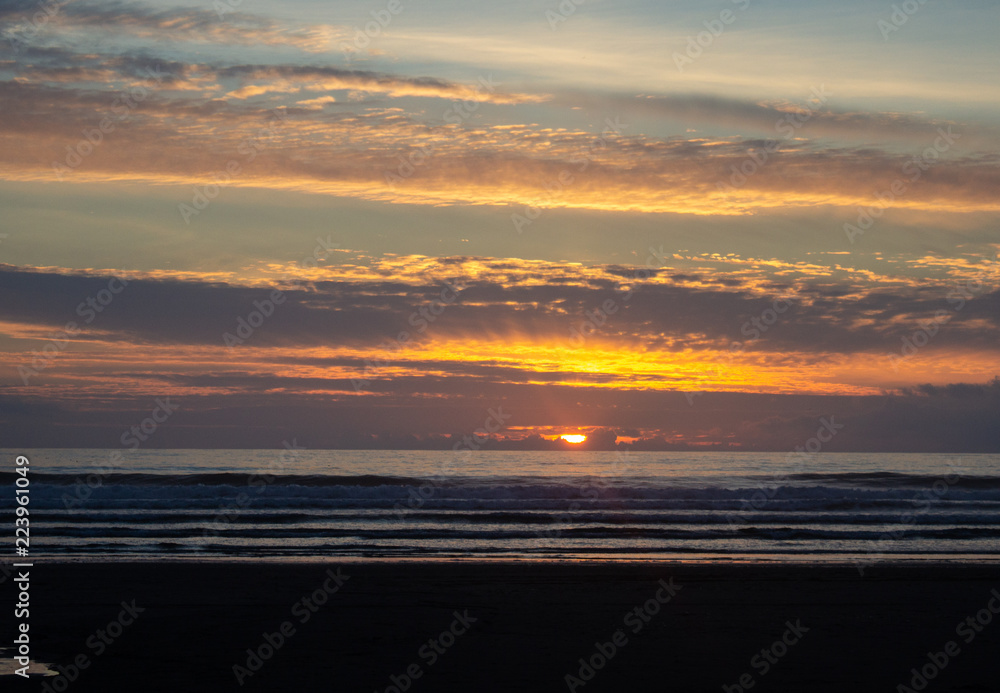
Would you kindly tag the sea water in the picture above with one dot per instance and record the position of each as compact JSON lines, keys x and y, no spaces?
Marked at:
{"x":296,"y":504}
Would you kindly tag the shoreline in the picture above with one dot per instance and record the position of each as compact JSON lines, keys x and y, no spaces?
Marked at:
{"x":514,"y":625}
{"x":935,"y":561}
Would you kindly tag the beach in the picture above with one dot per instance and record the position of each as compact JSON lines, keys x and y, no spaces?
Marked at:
{"x":392,"y":626}
{"x":558,"y":345}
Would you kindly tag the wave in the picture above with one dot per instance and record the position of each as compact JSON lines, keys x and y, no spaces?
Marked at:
{"x":899,"y":479}
{"x":525,"y":517}
{"x":263,"y":479}
{"x":233,"y":479}
{"x":556,"y":496}
{"x":154,"y":509}
{"x":598,"y":532}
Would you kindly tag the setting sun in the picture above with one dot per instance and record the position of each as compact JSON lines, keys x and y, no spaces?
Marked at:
{"x":573,"y":438}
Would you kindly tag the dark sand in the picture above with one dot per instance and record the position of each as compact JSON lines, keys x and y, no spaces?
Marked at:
{"x":534,"y":622}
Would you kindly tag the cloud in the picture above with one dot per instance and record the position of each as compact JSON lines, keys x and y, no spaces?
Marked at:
{"x":812,"y":117}
{"x":361,"y":151}
{"x":220,"y":26}
{"x":481,"y":145}
{"x":512,"y":321}
{"x":271,"y":409}
{"x":316,"y":103}
{"x":332,"y":351}
{"x":287,"y":78}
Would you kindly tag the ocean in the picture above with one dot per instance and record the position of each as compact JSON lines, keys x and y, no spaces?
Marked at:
{"x":341,"y":504}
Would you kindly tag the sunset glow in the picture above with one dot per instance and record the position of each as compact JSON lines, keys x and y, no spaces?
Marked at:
{"x":377,"y":240}
{"x":518,"y":315}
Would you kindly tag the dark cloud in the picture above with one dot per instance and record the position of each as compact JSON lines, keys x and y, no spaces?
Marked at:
{"x":367,"y":312}
{"x":963,"y":391}
{"x":441,"y":395}
{"x":221,"y":24}
{"x":763,"y":422}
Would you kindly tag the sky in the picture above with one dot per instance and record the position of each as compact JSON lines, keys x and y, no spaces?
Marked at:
{"x":678,"y":225}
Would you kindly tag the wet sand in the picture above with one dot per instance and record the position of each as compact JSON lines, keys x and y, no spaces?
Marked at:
{"x":458,"y":626}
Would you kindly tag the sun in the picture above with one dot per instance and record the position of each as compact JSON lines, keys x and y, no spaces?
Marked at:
{"x":573,"y":437}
